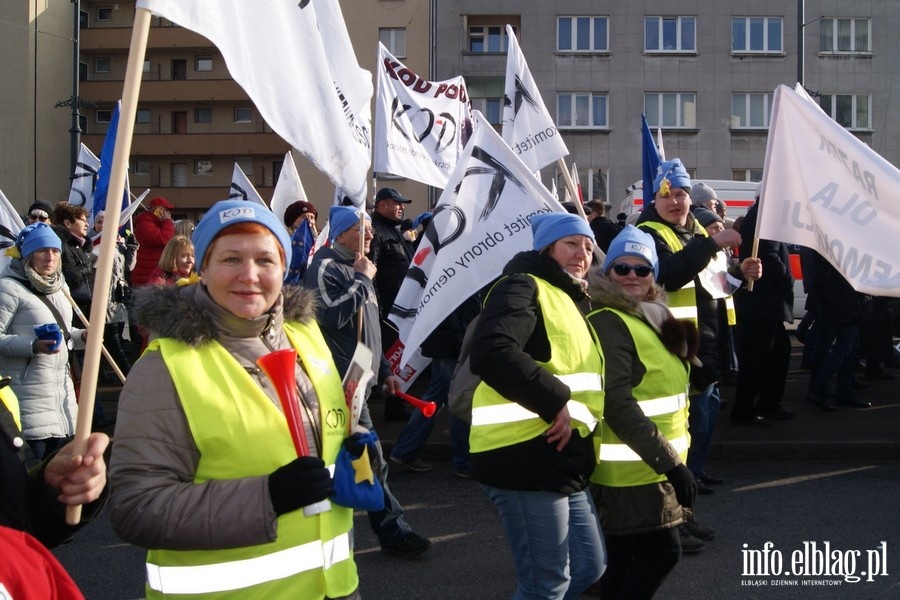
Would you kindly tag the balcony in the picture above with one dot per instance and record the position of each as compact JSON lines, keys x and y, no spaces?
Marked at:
{"x":182,"y":90}
{"x":112,"y":39}
{"x":199,"y":144}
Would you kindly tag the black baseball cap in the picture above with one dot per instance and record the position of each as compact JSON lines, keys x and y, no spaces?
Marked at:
{"x":391,"y":194}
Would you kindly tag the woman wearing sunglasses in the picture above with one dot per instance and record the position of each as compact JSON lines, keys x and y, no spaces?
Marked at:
{"x":641,"y":482}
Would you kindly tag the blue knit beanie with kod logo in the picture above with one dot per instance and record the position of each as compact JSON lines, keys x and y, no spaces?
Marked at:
{"x":342,"y":218}
{"x":631,"y":241}
{"x":36,"y":236}
{"x":229,"y":212}
{"x":675,"y":172}
{"x":549,"y":227}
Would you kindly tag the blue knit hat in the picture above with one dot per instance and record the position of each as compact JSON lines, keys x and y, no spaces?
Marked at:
{"x":228,"y":212}
{"x":675,"y":172}
{"x":36,"y":236}
{"x":342,"y":218}
{"x":549,"y":227}
{"x":631,"y":241}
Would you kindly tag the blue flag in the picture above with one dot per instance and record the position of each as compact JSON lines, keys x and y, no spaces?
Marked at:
{"x":302,"y":243}
{"x":106,"y":159}
{"x":649,"y":160}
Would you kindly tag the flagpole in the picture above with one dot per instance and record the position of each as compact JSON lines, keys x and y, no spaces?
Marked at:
{"x":87,"y":325}
{"x":362,"y":251}
{"x":103,"y":275}
{"x":570,"y":185}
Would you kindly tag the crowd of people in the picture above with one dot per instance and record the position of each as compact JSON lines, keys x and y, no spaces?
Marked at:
{"x":589,"y":429}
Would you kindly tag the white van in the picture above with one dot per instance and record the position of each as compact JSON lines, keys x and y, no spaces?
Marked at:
{"x":738,"y":196}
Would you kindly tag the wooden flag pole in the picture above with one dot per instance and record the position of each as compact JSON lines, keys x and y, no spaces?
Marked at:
{"x":87,"y":325}
{"x":103,"y":276}
{"x":362,"y":250}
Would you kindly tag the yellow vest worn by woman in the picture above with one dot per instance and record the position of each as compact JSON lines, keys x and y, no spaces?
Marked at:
{"x":574,"y":359}
{"x":662,"y":395}
{"x":240,"y":432}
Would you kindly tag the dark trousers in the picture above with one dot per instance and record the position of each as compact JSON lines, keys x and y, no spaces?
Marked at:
{"x":764,"y":355}
{"x":638,"y":564}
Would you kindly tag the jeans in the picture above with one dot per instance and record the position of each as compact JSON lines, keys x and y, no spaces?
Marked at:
{"x":702,"y":415}
{"x":388,"y":524}
{"x":836,"y":354}
{"x":415,"y":434}
{"x":555,"y":541}
{"x":45,"y":447}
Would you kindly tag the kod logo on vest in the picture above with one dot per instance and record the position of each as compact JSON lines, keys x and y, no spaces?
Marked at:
{"x":230,"y":214}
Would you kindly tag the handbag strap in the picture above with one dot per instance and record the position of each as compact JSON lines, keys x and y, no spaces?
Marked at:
{"x":43,"y":298}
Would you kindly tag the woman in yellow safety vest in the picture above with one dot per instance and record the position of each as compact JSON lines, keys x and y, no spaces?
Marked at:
{"x":205,"y":474}
{"x":641,"y":481}
{"x":534,"y":412}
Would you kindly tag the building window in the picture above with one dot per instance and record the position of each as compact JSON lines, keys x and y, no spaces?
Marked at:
{"x":103,"y":115}
{"x":850,"y":111}
{"x":751,"y":111}
{"x":101,"y":65}
{"x":582,"y":34}
{"x":746,"y":174}
{"x":671,"y":109}
{"x":146,"y":68}
{"x":845,"y":35}
{"x":488,"y":34}
{"x":246,"y":165}
{"x":203,"y":167}
{"x":582,"y":110}
{"x":104,"y":13}
{"x":394,"y":39}
{"x":203,"y":115}
{"x":203,"y":63}
{"x":82,"y":19}
{"x":140,"y":167}
{"x":757,"y":34}
{"x":670,"y":34}
{"x":82,"y":71}
{"x":243,"y":115}
{"x":142,"y":116}
{"x":491,"y":108}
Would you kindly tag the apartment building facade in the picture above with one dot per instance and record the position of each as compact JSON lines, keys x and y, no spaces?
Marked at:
{"x":703,"y":71}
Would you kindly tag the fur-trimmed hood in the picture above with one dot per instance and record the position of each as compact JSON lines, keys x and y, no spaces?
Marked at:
{"x":184,"y":312}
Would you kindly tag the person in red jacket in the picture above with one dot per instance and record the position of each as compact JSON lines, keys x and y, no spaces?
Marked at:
{"x":153,"y":229}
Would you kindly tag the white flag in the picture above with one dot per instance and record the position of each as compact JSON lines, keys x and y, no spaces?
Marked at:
{"x":659,"y":144}
{"x":421,"y":126}
{"x":84,"y":179}
{"x":295,"y":61}
{"x":483,"y":218}
{"x":527,"y":126}
{"x":13,"y":224}
{"x":825,"y":189}
{"x":288,"y":188}
{"x":242,"y":189}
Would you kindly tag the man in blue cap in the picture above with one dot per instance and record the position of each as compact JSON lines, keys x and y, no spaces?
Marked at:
{"x":341,"y":275}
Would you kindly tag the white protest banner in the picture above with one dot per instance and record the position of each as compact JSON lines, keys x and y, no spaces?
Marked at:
{"x":527,"y":126}
{"x":242,"y":188}
{"x":483,"y":218}
{"x":825,"y":189}
{"x":84,"y":179}
{"x":10,"y":226}
{"x":295,"y":61}
{"x":421,"y":126}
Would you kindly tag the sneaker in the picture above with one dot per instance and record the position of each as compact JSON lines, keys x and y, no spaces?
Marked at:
{"x":413,"y":464}
{"x":407,"y":545}
{"x":689,"y":543}
{"x":699,"y":531}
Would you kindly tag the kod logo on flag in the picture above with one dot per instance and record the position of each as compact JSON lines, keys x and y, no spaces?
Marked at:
{"x":231,"y":214}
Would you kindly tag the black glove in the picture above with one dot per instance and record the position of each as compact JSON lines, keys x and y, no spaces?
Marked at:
{"x":299,"y":483}
{"x":684,"y":483}
{"x":355,"y":446}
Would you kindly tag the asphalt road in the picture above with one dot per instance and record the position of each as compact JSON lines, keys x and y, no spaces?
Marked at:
{"x":797,"y":506}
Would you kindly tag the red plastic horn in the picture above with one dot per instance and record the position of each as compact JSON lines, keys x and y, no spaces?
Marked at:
{"x":279,"y":367}
{"x":428,"y":408}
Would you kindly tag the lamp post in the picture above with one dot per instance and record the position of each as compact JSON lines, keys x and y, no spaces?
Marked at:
{"x":75,"y":130}
{"x":801,"y":17}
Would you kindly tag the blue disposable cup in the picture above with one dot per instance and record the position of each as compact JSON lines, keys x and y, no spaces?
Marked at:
{"x":50,"y":331}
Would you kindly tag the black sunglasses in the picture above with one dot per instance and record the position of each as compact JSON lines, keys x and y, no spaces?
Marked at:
{"x":622,"y":270}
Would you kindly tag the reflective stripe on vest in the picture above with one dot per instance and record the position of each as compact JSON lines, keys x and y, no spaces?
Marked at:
{"x":729,"y":310}
{"x":662,"y":397}
{"x":622,"y":453}
{"x":574,"y":359}
{"x":240,"y":574}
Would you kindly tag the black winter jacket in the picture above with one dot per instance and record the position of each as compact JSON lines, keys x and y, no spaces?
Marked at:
{"x":509,"y":339}
{"x":392,"y":254}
